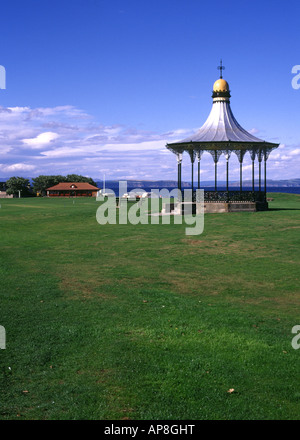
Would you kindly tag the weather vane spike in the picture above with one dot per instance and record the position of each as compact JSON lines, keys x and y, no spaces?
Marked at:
{"x":221,"y":67}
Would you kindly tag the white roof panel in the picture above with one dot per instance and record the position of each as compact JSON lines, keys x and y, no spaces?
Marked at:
{"x":221,"y":126}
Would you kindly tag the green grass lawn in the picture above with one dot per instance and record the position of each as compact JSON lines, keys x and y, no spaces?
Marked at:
{"x":145,"y":322}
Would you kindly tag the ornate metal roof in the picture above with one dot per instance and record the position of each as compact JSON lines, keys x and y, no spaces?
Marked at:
{"x":221,"y":126}
{"x":221,"y":131}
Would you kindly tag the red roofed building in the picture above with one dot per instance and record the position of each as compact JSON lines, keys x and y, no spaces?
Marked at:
{"x":72,"y":189}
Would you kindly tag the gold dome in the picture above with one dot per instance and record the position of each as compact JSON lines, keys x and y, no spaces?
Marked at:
{"x":221,"y":86}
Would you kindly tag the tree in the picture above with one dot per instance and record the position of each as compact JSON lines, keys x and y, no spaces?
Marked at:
{"x":2,"y":186}
{"x":41,"y":183}
{"x":79,"y":178}
{"x":16,"y":184}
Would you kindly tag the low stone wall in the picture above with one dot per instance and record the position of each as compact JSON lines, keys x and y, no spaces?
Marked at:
{"x":3,"y":195}
{"x":214,"y":207}
{"x":219,"y":207}
{"x":242,"y":206}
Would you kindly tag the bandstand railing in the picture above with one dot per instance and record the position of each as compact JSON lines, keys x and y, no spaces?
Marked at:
{"x":232,"y":196}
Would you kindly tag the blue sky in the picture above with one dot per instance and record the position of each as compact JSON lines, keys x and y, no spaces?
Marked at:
{"x":98,"y":87}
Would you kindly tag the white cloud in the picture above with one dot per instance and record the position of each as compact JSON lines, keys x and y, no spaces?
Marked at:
{"x":16,"y":167}
{"x":295,"y":152}
{"x":41,"y":139}
{"x":254,"y":131}
{"x":64,"y":152}
{"x":65,"y":139}
{"x":18,"y":109}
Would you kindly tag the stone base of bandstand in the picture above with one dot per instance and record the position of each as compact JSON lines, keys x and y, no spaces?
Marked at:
{"x":213,"y":207}
{"x":234,"y":206}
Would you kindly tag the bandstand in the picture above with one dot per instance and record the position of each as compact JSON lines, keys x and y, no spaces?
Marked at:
{"x":222,"y":134}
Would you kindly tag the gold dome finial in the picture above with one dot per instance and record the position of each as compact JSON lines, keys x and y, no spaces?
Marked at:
{"x":221,"y":85}
{"x":221,"y":90}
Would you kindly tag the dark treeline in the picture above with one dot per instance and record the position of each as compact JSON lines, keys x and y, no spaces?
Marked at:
{"x":39,"y":184}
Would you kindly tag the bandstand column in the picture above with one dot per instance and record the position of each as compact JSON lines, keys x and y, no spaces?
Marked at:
{"x":253,"y":175}
{"x":265,"y":173}
{"x":227,"y":156}
{"x":216,"y":170}
{"x":199,"y":153}
{"x":259,"y":157}
{"x":227,"y":166}
{"x":192,"y":177}
{"x":241,"y":175}
{"x":259,"y":175}
{"x":215,"y":155}
{"x":266,"y":153}
{"x":252,"y":154}
{"x":240,"y":154}
{"x":192,"y":156}
{"x":179,"y":162}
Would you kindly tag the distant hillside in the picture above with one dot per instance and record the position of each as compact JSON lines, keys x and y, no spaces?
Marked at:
{"x":143,"y":183}
{"x":272,"y":183}
{"x":295,"y":183}
{"x":210,"y":183}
